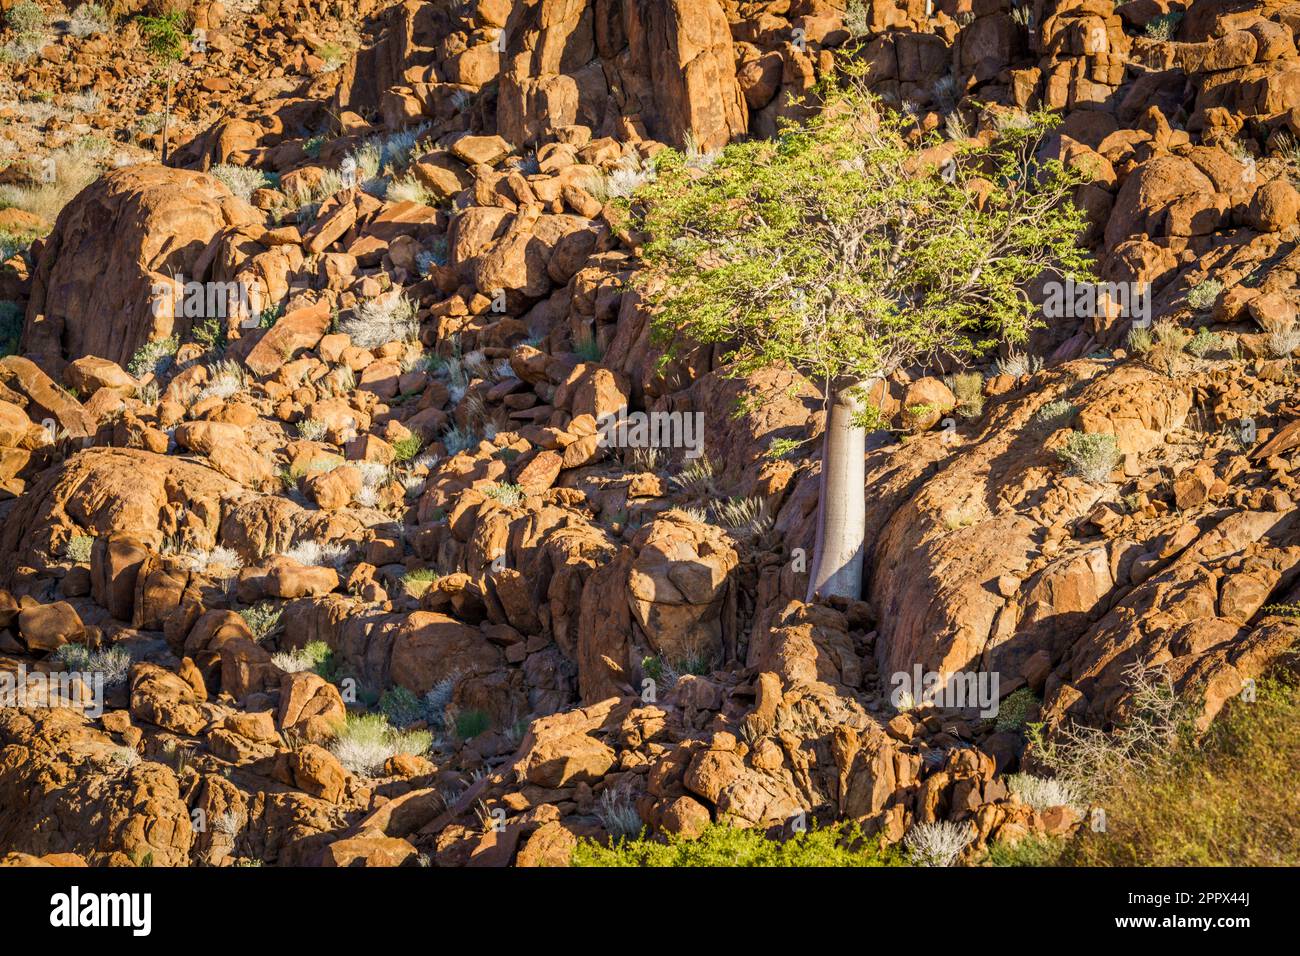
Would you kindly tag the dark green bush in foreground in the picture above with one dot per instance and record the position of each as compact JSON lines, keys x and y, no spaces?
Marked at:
{"x":722,"y":845}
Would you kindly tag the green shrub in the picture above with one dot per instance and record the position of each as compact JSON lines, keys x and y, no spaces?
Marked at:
{"x":1140,"y":340}
{"x":78,"y":548}
{"x":857,"y":18}
{"x":1170,"y":335}
{"x":1056,"y":414}
{"x":153,"y":357}
{"x":418,"y":580}
{"x":1013,"y":711}
{"x":587,"y":349}
{"x":1281,"y":610}
{"x":404,"y":449}
{"x":471,"y":723}
{"x":240,"y":180}
{"x":262,"y":619}
{"x":1164,"y":26}
{"x":654,"y":668}
{"x":267,"y":318}
{"x":506,"y":493}
{"x":312,"y":429}
{"x":25,"y":18}
{"x":1204,"y":294}
{"x":12,"y":245}
{"x":164,"y":36}
{"x":321,"y":657}
{"x":1027,"y":851}
{"x":89,"y":19}
{"x":365,"y":743}
{"x":401,"y":707}
{"x":210,"y":335}
{"x":667,"y":673}
{"x":314,"y":656}
{"x":409,"y":189}
{"x":1090,"y":456}
{"x":722,"y":845}
{"x":1203,"y":342}
{"x":968,"y":388}
{"x":113,"y":662}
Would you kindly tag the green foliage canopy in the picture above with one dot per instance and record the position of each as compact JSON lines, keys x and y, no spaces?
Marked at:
{"x":838,"y":249}
{"x":164,"y":37}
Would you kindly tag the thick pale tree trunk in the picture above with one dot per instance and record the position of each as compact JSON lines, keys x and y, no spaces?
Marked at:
{"x":167,"y":118}
{"x":842,"y":505}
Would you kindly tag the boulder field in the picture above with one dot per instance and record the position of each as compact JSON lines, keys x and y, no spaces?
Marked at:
{"x":382,"y":487}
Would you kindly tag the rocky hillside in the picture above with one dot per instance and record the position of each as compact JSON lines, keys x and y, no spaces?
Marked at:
{"x":361,"y":579}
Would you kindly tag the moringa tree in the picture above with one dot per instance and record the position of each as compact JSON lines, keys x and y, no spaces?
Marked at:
{"x":166,"y":42}
{"x":837,"y":250}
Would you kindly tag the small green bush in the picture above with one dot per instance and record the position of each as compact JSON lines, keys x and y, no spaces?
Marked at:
{"x":153,"y":357}
{"x":1013,"y":711}
{"x":506,"y":493}
{"x":262,"y":619}
{"x":1203,"y":342}
{"x":78,"y":548}
{"x":365,"y":743}
{"x":1027,"y":851}
{"x":312,"y":429}
{"x":418,"y":580}
{"x":240,"y":180}
{"x":404,"y":449}
{"x":666,"y":673}
{"x":25,"y":18}
{"x":1057,"y":414}
{"x":1140,"y":340}
{"x":1090,"y":456}
{"x":838,"y":845}
{"x":1204,"y":294}
{"x":409,"y":189}
{"x":113,"y":662}
{"x":1164,"y":26}
{"x":1281,"y":610}
{"x":210,"y":335}
{"x":267,"y":318}
{"x":471,"y":723}
{"x":321,"y":657}
{"x":401,"y":707}
{"x":12,"y":245}
{"x":89,"y":19}
{"x":968,"y":388}
{"x":314,"y":656}
{"x":164,"y":36}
